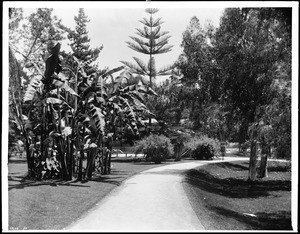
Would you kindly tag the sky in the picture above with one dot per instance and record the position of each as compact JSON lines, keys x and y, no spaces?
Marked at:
{"x":112,"y":26}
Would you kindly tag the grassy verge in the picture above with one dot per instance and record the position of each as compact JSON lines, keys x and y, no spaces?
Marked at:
{"x":224,"y":200}
{"x":52,"y":205}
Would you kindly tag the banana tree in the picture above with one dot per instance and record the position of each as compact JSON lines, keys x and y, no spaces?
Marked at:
{"x":64,"y":127}
{"x":105,"y":106}
{"x":44,"y":106}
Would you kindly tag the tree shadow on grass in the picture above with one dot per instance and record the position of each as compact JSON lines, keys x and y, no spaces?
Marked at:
{"x":21,"y":182}
{"x":33,"y":183}
{"x":234,"y":166}
{"x":280,"y":220}
{"x":234,"y":187}
{"x":116,"y":180}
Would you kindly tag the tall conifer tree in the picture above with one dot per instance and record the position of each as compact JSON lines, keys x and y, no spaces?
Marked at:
{"x":153,"y":42}
{"x":80,"y":42}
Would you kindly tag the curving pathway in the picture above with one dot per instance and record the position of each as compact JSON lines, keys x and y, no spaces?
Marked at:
{"x":152,"y":200}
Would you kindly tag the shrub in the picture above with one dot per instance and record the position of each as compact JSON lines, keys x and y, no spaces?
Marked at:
{"x":245,"y":146}
{"x":157,"y":148}
{"x":202,"y":147}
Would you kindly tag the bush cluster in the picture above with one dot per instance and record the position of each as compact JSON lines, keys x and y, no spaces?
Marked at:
{"x":202,"y":147}
{"x":157,"y":148}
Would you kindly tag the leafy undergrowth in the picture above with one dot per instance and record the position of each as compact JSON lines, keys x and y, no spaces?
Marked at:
{"x":54,"y":204}
{"x":224,"y":199}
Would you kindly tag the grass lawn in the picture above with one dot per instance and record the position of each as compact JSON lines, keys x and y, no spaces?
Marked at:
{"x":219,"y":193}
{"x":223,"y":199}
{"x":48,"y":205}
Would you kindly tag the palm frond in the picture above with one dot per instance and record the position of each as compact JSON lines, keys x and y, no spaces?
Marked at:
{"x":62,"y":82}
{"x":110,"y":72}
{"x":34,"y":84}
{"x":98,"y":117}
{"x":128,"y":109}
{"x":146,"y":90}
{"x":119,"y":79}
{"x":139,"y":96}
{"x":52,"y":100}
{"x":127,"y":89}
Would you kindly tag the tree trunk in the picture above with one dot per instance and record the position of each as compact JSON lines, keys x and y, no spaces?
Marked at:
{"x":105,"y":161}
{"x":90,"y":164}
{"x":79,"y":177}
{"x":265,"y":153}
{"x":109,"y":154}
{"x":263,"y":166}
{"x":253,"y":159}
{"x":30,"y":161}
{"x":60,"y":158}
{"x":69,"y":157}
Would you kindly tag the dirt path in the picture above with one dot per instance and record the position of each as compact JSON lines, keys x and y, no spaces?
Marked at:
{"x":152,"y":200}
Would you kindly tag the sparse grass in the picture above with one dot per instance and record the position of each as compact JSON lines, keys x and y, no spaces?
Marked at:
{"x":224,"y":200}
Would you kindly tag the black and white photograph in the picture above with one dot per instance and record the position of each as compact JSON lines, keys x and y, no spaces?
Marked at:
{"x":150,"y":116}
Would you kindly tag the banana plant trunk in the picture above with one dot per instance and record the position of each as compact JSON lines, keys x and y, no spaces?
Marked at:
{"x":91,"y":163}
{"x":80,"y":166}
{"x":109,"y":154}
{"x":30,"y":160}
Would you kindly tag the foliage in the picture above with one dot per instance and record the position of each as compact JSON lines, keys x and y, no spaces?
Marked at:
{"x":252,"y":46}
{"x":80,"y":44}
{"x":157,"y":148}
{"x":87,"y":129}
{"x":201,"y":78}
{"x":202,"y":147}
{"x":30,"y":40}
{"x":155,"y":43}
{"x":71,"y":111}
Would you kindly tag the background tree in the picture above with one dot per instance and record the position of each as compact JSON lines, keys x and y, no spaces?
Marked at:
{"x":80,"y":42}
{"x":249,"y":45}
{"x":34,"y":34}
{"x":200,"y":73}
{"x":153,"y":42}
{"x":15,"y":80}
